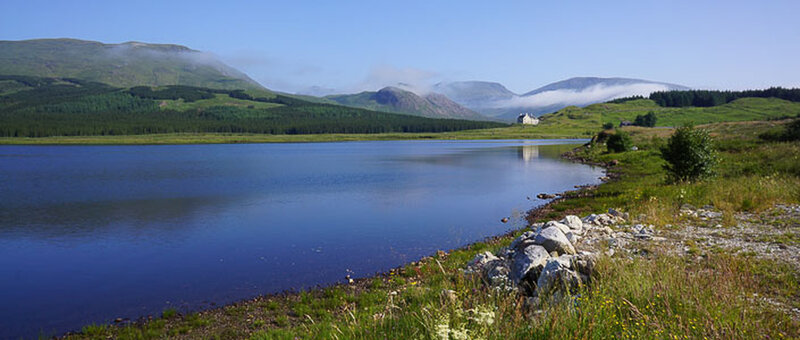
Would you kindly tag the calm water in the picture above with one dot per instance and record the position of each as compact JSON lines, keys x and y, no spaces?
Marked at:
{"x":91,"y":233}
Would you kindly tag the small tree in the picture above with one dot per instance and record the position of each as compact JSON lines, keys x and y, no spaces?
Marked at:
{"x":690,"y":154}
{"x":619,"y":142}
{"x":648,"y":120}
{"x":792,"y":131}
{"x":608,"y":126}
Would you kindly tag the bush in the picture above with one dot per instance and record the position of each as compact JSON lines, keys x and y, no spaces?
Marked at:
{"x":648,"y":120}
{"x":608,"y":126}
{"x":690,"y":154}
{"x":619,"y":142}
{"x":792,"y":131}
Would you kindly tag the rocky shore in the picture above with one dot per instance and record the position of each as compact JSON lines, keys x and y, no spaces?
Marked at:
{"x":555,"y":258}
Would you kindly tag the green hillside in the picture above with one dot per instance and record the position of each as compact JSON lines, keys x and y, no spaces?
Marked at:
{"x":122,"y":65}
{"x":576,"y":121}
{"x":42,"y":107}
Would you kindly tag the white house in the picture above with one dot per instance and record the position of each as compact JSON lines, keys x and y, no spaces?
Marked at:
{"x":527,"y":119}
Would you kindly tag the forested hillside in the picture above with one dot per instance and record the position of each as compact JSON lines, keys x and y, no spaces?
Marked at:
{"x":707,"y":98}
{"x":40,"y":107}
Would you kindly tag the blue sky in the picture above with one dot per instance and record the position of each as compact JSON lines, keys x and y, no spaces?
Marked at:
{"x":356,"y":45}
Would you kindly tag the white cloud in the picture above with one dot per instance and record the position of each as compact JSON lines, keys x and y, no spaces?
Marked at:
{"x":589,"y":95}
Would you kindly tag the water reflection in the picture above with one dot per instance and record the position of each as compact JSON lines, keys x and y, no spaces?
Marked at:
{"x":528,"y":152}
{"x":94,"y":233}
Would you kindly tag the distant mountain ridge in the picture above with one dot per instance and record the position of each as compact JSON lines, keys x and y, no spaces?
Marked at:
{"x":396,"y":100}
{"x":494,"y":100}
{"x":122,"y":65}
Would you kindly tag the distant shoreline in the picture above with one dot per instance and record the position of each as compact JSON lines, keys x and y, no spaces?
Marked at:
{"x":220,"y":138}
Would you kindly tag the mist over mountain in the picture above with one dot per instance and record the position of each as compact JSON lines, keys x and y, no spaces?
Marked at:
{"x":397,"y":100}
{"x":494,"y":100}
{"x":123,"y":65}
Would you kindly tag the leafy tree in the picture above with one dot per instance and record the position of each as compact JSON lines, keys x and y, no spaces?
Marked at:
{"x":792,"y":131}
{"x":608,"y":126}
{"x":648,"y":120}
{"x":690,"y":154}
{"x":619,"y":142}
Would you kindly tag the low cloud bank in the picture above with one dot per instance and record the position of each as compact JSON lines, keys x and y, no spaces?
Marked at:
{"x":586,"y":96}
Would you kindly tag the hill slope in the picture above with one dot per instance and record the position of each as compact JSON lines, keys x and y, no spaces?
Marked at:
{"x":576,"y":121}
{"x":40,"y":107}
{"x":122,"y":65}
{"x":393,"y":99}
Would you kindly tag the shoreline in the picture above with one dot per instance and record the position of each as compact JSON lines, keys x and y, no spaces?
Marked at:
{"x":362,"y":284}
{"x":227,"y":138}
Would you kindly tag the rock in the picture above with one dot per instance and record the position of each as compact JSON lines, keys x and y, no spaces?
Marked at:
{"x":552,"y":239}
{"x":522,"y":240}
{"x":584,"y":264}
{"x":504,"y":219}
{"x":616,"y":242}
{"x":497,"y":273}
{"x":574,"y":223}
{"x":545,"y":196}
{"x":615,"y":213}
{"x":641,"y":231}
{"x":613,"y":162}
{"x":557,"y":274}
{"x":599,"y":220}
{"x":479,"y":261}
{"x":561,"y":226}
{"x":710,"y":214}
{"x":528,"y":262}
{"x":572,"y":238}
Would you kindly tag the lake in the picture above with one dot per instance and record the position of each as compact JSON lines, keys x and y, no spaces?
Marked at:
{"x":92,"y":233}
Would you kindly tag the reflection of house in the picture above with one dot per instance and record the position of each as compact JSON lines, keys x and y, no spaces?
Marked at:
{"x":528,"y":152}
{"x":527,"y":118}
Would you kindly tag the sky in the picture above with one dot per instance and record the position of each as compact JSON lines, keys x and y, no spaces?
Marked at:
{"x":350,"y":46}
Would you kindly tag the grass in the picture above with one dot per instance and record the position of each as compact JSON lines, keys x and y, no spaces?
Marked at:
{"x":218,"y":100}
{"x":513,"y":132}
{"x":662,"y":295}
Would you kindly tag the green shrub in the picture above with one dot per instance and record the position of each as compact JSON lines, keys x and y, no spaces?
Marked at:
{"x":619,"y":142}
{"x":792,"y":131}
{"x":608,"y":126}
{"x":648,"y":120}
{"x":690,"y":154}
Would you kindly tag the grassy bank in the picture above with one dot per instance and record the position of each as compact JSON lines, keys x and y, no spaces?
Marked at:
{"x":513,"y":132}
{"x":659,"y":293}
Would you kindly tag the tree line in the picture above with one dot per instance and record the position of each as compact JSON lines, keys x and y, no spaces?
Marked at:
{"x":704,"y":98}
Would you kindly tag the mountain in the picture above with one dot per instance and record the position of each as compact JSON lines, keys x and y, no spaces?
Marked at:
{"x":121,"y":65}
{"x":474,"y":94}
{"x":396,"y":100}
{"x":42,"y":107}
{"x":494,"y":100}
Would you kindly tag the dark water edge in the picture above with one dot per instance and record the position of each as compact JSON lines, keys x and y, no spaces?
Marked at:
{"x":95,"y":233}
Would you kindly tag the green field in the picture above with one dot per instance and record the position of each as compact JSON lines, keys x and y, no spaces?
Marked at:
{"x":586,"y":121}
